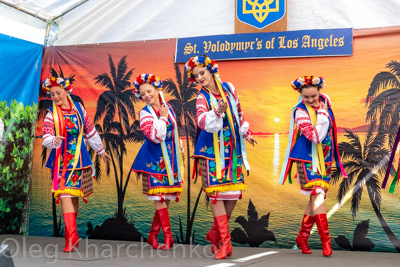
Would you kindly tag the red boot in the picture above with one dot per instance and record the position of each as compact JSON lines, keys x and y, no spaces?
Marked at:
{"x":214,"y":237}
{"x":71,"y":234}
{"x":322,"y":224}
{"x":226,"y":246}
{"x":155,"y":229}
{"x":164,"y":218}
{"x":301,"y":240}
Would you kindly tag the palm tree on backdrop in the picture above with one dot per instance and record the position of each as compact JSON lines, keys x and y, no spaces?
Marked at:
{"x":116,"y":105}
{"x":383,"y":100}
{"x":184,"y":95}
{"x":45,"y":103}
{"x":363,"y":165}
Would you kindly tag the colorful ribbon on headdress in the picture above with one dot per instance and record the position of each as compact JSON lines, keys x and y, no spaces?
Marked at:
{"x":318,"y":159}
{"x":219,"y":148}
{"x":339,"y":164}
{"x":241,"y":140}
{"x":285,"y":170}
{"x":61,"y":129}
{"x":178,"y":150}
{"x":59,"y":125}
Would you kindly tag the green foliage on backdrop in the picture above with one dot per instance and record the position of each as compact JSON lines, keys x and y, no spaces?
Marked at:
{"x":15,"y":162}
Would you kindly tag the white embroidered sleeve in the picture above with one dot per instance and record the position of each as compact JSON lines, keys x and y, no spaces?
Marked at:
{"x":153,"y":129}
{"x":92,"y":136}
{"x":315,"y":134}
{"x":48,"y":132}
{"x":208,"y":120}
{"x":95,"y":142}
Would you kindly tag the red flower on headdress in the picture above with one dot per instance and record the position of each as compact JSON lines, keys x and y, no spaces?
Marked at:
{"x":53,"y":81}
{"x":192,"y":64}
{"x":152,"y":78}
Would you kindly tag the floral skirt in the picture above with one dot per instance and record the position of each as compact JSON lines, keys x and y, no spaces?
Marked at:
{"x":79,"y":185}
{"x":224,"y":189}
{"x":157,"y":189}
{"x":312,"y":183}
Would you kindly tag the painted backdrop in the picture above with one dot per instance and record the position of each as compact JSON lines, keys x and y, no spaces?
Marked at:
{"x":361,"y":87}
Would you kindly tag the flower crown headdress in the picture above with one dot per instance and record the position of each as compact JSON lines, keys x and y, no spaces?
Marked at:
{"x":56,"y":81}
{"x":200,"y":61}
{"x":308,"y":80}
{"x":146,"y":78}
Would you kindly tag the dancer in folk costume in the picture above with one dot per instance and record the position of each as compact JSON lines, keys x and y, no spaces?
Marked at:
{"x":313,"y":146}
{"x":160,"y":159}
{"x":64,"y":127}
{"x":220,"y":150}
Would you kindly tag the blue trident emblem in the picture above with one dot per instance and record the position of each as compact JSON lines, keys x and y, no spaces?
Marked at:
{"x":260,"y":13}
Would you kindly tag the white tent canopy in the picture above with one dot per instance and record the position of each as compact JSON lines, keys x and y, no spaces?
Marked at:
{"x":100,"y":21}
{"x":44,"y":9}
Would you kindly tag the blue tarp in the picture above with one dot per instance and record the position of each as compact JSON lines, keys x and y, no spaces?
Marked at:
{"x":20,"y":66}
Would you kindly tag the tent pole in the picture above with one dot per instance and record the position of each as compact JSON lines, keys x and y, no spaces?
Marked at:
{"x":24,"y":10}
{"x":38,"y":15}
{"x":46,"y":38}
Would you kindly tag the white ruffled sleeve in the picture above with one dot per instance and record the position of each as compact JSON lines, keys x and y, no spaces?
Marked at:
{"x":92,"y":136}
{"x":48,"y":132}
{"x":208,"y":120}
{"x":154,"y":129}
{"x":315,"y":134}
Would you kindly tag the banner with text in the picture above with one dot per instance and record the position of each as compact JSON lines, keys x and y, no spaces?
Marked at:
{"x":306,"y":43}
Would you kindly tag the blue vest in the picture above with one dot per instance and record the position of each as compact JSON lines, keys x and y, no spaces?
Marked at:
{"x":72,"y":139}
{"x":301,"y":150}
{"x":205,"y":145}
{"x":150,"y":157}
